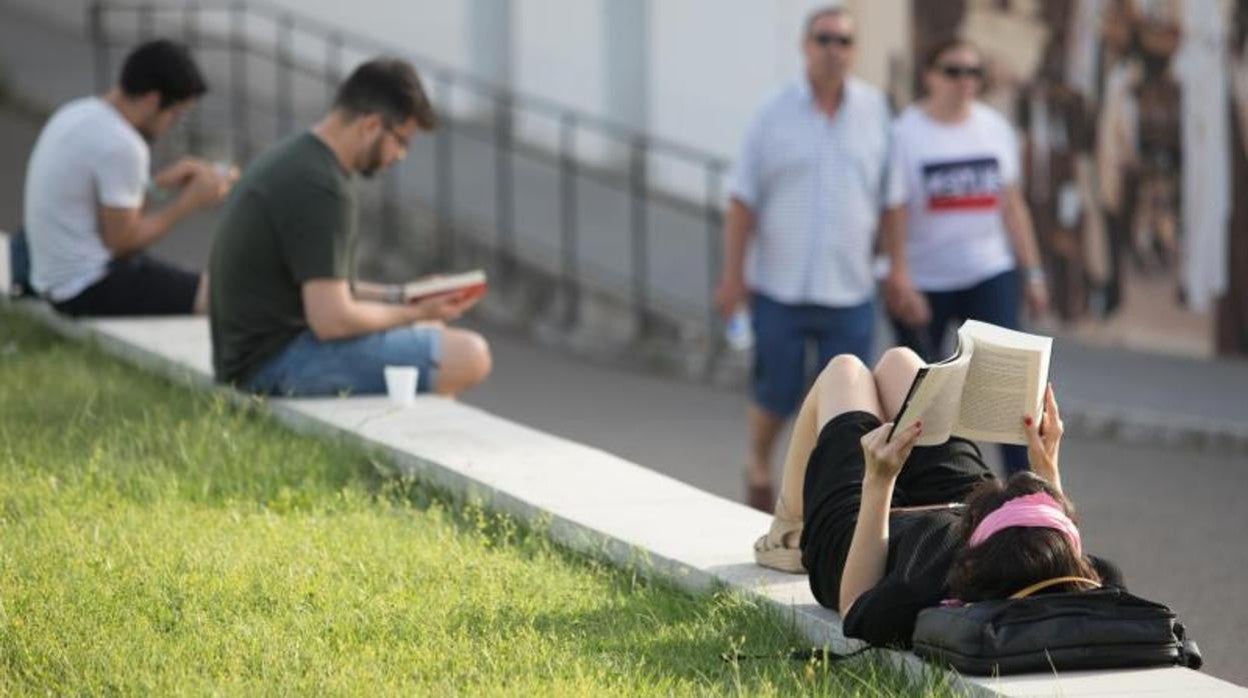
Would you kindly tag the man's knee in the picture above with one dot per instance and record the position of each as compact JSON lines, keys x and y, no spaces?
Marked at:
{"x":466,"y":359}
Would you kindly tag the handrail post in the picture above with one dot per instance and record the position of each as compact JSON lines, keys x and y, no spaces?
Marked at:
{"x":570,"y":247}
{"x":714,"y":260}
{"x":99,"y":42}
{"x":444,"y":174}
{"x":240,"y":92}
{"x":146,"y":20}
{"x":639,"y":228}
{"x":285,"y":95}
{"x":190,"y":34}
{"x":504,"y":202}
{"x":333,"y":65}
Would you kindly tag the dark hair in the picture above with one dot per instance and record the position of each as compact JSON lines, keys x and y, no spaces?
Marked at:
{"x":389,"y":87}
{"x":1014,"y":558}
{"x":165,"y":67}
{"x":933,"y":55}
{"x":820,"y":12}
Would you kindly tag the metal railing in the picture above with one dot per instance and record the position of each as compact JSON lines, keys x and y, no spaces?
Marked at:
{"x":231,"y":29}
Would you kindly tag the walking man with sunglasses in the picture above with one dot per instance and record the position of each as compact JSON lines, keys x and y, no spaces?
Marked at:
{"x":804,"y":206}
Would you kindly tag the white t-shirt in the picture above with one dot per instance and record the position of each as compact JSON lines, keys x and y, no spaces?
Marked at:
{"x":952,"y":180}
{"x":87,"y":155}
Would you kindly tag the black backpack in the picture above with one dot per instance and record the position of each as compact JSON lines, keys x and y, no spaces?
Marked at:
{"x":1104,"y":628}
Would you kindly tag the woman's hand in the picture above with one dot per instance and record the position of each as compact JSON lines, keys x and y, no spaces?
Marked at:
{"x":1044,"y":440}
{"x":884,"y":458}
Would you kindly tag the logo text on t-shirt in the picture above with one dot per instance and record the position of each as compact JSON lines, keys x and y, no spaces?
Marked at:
{"x":962,"y":185}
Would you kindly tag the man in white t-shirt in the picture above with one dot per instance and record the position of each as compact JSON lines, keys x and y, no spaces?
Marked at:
{"x":86,"y":186}
{"x":804,"y":207}
{"x":959,"y":235}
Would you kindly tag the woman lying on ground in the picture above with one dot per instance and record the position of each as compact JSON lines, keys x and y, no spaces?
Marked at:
{"x":888,"y":529}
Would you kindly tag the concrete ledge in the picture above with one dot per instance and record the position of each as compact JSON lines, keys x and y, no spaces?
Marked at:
{"x":593,"y":501}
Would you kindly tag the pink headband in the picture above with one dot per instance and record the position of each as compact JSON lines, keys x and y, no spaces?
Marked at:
{"x":1037,"y":510}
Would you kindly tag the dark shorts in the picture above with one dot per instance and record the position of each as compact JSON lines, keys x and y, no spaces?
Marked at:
{"x":137,"y":285}
{"x":833,"y":490}
{"x":782,"y":334}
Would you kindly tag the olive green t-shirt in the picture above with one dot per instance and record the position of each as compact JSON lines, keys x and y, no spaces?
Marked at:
{"x":289,"y":219}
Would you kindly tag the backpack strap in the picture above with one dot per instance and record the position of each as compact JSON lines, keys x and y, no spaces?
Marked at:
{"x":1024,"y":593}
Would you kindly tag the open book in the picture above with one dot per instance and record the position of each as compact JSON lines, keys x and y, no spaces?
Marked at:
{"x":982,"y":392}
{"x":467,"y":284}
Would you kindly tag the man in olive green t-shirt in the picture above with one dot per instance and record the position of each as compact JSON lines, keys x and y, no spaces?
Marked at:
{"x":282,"y":314}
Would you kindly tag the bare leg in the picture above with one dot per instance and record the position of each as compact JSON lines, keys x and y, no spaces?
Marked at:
{"x":466,"y":361}
{"x":764,"y":429}
{"x":845,"y":385}
{"x":200,"y":305}
{"x":894,"y":373}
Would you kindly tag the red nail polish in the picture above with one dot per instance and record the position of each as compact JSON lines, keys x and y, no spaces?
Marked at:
{"x":1027,"y":421}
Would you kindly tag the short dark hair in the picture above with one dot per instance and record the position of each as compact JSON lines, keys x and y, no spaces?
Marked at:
{"x":819,"y":13}
{"x":1014,"y":558}
{"x":389,"y":87}
{"x":165,"y":67}
{"x":940,"y":48}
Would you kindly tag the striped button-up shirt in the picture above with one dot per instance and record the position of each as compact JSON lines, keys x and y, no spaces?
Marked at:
{"x":816,"y":186}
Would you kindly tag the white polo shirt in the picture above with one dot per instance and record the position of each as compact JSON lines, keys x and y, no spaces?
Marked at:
{"x":87,"y":155}
{"x":816,"y":186}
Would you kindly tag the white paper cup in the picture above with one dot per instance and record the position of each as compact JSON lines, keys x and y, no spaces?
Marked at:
{"x":401,"y":384}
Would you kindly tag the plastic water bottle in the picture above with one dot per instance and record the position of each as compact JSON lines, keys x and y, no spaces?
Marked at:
{"x":738,"y":332}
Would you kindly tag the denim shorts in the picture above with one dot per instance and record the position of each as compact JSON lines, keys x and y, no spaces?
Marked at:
{"x":782,"y":335}
{"x":308,"y":366}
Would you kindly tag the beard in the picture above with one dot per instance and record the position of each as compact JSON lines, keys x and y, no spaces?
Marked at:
{"x":372,"y":160}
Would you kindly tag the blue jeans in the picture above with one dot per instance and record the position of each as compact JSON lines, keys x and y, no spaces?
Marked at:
{"x":995,"y":300}
{"x":307,"y":366}
{"x":782,"y":333}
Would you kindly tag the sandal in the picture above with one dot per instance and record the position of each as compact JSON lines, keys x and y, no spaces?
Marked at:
{"x":772,"y":549}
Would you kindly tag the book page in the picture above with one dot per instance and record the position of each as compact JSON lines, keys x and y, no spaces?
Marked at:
{"x":934,"y":400}
{"x":1002,"y":384}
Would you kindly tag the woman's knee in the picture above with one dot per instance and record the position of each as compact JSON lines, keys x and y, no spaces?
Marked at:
{"x":843,"y":367}
{"x":897,"y":358}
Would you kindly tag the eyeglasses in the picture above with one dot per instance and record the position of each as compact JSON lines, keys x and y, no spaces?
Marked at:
{"x":825,"y":38}
{"x":953,"y":72}
{"x":398,"y":137}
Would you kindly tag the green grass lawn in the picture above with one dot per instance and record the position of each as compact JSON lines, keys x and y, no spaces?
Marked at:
{"x":157,"y":540}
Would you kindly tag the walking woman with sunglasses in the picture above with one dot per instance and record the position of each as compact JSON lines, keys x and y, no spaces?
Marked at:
{"x":957,"y":230}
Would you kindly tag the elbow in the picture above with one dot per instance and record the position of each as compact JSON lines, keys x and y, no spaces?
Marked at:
{"x":327,"y":329}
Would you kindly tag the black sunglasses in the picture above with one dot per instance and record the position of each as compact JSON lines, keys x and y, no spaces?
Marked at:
{"x":953,"y":72}
{"x":825,"y":38}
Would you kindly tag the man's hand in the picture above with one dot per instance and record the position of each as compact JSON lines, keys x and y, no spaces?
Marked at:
{"x":731,"y":294}
{"x":208,"y":187}
{"x":1044,"y":440}
{"x":905,"y":302}
{"x":884,"y":459}
{"x":179,"y":173}
{"x":444,"y":308}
